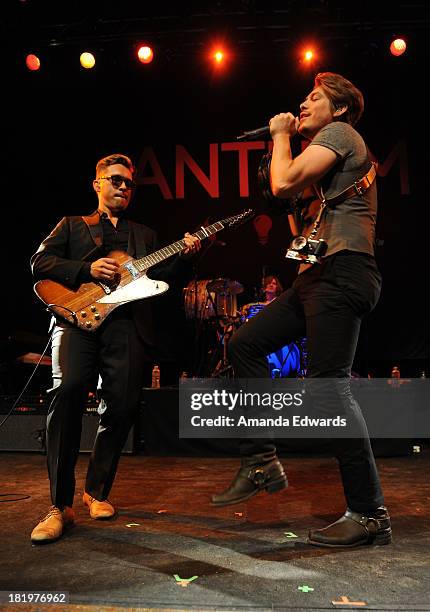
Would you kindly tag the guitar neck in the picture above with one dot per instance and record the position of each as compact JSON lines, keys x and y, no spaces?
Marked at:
{"x":176,"y":247}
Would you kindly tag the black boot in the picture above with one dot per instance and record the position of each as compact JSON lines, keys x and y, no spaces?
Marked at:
{"x":257,"y":472}
{"x":355,"y":529}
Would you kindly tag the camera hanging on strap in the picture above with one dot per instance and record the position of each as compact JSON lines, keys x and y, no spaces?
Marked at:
{"x":309,"y":249}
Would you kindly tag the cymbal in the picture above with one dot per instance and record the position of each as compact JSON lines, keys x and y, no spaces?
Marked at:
{"x":224,"y":285}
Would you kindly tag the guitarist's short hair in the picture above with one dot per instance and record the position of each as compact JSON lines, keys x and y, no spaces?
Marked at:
{"x":110,"y":160}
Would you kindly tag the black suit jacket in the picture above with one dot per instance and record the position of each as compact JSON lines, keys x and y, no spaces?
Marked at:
{"x":76,"y":240}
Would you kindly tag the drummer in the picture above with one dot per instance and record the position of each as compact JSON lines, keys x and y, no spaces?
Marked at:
{"x":271,"y":287}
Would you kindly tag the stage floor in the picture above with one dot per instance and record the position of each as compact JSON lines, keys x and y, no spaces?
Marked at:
{"x":252,"y":556}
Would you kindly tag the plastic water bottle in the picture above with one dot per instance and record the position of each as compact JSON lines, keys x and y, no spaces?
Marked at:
{"x":395,"y":376}
{"x":155,"y":377}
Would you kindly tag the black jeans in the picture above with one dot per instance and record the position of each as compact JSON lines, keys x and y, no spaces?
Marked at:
{"x":326,"y":304}
{"x":116,"y":353}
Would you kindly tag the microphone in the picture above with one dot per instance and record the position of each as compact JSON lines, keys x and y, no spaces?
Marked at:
{"x":255,"y":134}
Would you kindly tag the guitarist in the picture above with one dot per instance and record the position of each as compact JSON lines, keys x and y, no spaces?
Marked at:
{"x":76,"y":252}
{"x":326,"y":303}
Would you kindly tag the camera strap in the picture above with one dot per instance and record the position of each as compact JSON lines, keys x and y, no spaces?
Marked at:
{"x":318,"y":218}
{"x":357,"y":188}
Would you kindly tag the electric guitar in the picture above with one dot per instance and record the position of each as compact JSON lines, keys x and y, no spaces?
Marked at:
{"x":89,"y":305}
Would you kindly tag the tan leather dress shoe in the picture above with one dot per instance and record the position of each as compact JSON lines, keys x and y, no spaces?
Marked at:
{"x":101,"y":510}
{"x":52,"y":526}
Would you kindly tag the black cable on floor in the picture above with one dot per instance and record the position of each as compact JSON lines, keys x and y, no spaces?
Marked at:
{"x":11,"y":495}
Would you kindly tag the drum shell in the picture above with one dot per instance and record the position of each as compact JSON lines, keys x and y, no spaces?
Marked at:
{"x":199,"y":303}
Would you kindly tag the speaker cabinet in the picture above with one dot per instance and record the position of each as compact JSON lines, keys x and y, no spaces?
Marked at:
{"x":25,"y":430}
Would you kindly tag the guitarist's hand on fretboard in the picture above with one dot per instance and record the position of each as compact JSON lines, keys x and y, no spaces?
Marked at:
{"x":104,"y":269}
{"x":192,"y":245}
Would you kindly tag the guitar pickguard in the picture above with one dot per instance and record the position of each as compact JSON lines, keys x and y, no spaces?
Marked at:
{"x":138,"y":289}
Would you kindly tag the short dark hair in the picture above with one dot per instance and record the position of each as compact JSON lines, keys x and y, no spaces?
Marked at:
{"x":342,"y":92}
{"x":110,"y":160}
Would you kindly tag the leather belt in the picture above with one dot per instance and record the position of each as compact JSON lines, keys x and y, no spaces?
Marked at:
{"x":357,"y":188}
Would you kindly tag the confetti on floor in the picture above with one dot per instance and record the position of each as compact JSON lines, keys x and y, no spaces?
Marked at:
{"x":345,"y":601}
{"x":183,"y":582}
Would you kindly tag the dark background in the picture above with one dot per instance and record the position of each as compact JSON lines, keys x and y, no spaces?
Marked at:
{"x":59,"y":121}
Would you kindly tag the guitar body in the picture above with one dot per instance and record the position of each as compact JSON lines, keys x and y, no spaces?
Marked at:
{"x":89,"y":305}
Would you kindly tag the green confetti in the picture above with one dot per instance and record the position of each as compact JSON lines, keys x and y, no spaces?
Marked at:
{"x":184,"y":582}
{"x":305,"y":588}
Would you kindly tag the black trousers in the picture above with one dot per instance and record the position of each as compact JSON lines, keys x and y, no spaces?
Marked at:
{"x":326,"y":304}
{"x":116,"y":353}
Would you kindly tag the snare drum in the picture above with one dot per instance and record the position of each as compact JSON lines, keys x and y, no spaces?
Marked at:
{"x":283,"y":363}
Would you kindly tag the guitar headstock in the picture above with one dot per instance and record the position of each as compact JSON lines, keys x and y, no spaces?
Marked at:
{"x":237,"y":220}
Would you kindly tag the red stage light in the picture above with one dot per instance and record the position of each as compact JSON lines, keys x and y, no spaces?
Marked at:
{"x":32,"y":62}
{"x":145,"y":54}
{"x":398,"y":47}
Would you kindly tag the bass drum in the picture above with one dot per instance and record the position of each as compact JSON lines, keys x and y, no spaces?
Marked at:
{"x":287,"y":361}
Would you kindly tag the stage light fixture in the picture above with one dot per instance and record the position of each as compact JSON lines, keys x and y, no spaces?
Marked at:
{"x":87,"y":60}
{"x":145,"y":54}
{"x":219,"y":56}
{"x":32,"y":62}
{"x":308,"y":55}
{"x":398,"y":47}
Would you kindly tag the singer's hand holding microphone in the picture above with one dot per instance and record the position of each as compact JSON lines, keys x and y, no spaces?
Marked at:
{"x":284,"y":123}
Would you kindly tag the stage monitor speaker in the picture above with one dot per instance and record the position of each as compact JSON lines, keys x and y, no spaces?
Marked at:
{"x":159,"y":429}
{"x":90,"y":423}
{"x":25,"y":430}
{"x":159,"y":434}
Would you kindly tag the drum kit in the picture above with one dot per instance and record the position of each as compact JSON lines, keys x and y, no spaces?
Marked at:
{"x":213,"y":304}
{"x":205,"y":299}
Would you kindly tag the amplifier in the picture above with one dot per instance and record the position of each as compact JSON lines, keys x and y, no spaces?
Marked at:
{"x":25,"y":429}
{"x":159,"y":434}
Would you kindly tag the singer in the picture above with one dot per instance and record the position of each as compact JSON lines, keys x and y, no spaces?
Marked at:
{"x":326,"y":302}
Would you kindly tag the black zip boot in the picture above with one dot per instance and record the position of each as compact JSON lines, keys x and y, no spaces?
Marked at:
{"x":355,"y":529}
{"x":257,"y":472}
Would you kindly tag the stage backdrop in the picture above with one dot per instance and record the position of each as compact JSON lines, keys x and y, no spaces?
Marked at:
{"x":179,"y":124}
